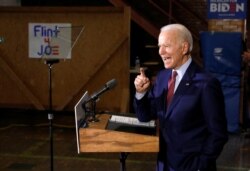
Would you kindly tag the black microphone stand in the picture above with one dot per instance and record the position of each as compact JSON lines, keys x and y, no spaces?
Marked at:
{"x":50,"y":63}
{"x":92,"y":113}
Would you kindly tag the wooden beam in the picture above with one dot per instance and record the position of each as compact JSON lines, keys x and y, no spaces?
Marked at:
{"x":20,"y":85}
{"x":141,"y":21}
{"x":125,"y":100}
{"x":109,"y":54}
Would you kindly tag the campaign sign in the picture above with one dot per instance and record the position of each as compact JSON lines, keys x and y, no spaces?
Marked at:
{"x":50,"y":40}
{"x":227,"y":9}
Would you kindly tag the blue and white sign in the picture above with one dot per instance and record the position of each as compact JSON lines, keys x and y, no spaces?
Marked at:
{"x":51,"y":40}
{"x":227,"y":9}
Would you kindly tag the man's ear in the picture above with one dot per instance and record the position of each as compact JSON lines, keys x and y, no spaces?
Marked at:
{"x":185,"y":48}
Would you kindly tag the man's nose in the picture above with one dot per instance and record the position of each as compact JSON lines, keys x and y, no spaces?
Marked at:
{"x":161,"y":50}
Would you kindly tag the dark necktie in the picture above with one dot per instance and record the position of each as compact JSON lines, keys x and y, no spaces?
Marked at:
{"x":171,"y":85}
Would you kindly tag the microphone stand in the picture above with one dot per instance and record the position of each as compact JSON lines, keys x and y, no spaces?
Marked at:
{"x":94,"y":98}
{"x":93,"y":112}
{"x":50,"y":63}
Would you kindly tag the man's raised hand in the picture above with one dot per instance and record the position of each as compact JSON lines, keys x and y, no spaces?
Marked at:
{"x":142,"y":82}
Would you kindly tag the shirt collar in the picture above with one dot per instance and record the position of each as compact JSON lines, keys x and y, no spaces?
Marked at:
{"x":181,"y":70}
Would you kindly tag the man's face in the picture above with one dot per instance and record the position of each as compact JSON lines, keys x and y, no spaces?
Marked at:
{"x":172,"y":50}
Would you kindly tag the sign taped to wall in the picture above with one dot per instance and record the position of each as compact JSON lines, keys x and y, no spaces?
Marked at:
{"x":50,"y":40}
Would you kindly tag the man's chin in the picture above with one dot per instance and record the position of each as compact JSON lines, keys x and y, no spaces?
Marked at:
{"x":167,"y":66}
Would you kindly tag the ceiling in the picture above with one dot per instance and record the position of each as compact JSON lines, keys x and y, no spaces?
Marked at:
{"x":151,"y":15}
{"x":148,"y":16}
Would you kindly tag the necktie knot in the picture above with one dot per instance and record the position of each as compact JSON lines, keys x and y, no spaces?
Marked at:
{"x":174,"y":74}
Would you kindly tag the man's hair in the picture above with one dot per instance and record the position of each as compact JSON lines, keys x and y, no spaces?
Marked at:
{"x":184,"y":33}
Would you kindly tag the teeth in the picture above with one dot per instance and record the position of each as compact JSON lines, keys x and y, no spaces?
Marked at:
{"x":166,"y":58}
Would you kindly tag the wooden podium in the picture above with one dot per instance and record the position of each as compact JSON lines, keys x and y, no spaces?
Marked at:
{"x":96,"y":138}
{"x":105,"y":136}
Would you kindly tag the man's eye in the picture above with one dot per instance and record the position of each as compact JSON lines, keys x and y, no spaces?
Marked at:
{"x":164,"y":46}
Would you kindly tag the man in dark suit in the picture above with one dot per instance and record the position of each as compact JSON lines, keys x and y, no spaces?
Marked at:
{"x":192,"y":126}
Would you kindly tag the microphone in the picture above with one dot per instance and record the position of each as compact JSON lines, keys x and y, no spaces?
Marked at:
{"x":109,"y":85}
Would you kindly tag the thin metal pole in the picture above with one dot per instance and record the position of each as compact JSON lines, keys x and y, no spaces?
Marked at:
{"x":50,"y":117}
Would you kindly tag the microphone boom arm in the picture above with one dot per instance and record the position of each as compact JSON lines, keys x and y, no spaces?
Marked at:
{"x":93,"y":98}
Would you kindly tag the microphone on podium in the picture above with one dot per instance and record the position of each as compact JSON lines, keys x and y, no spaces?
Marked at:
{"x":109,"y":85}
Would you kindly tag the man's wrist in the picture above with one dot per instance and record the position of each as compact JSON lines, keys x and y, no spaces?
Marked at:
{"x":139,"y":96}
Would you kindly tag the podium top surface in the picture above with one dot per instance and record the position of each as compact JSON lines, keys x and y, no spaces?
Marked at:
{"x":96,"y":138}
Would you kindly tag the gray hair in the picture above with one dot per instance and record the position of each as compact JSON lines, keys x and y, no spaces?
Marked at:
{"x":185,"y":34}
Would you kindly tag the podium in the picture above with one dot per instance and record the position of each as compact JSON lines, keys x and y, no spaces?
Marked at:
{"x":107,"y":135}
{"x":96,"y":138}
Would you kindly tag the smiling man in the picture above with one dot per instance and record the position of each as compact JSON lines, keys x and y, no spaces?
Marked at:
{"x":192,"y":123}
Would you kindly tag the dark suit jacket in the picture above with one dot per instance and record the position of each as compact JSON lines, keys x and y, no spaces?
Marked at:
{"x":193,"y":129}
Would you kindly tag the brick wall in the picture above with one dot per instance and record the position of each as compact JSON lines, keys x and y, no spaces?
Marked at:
{"x":226,"y":25}
{"x":230,"y":25}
